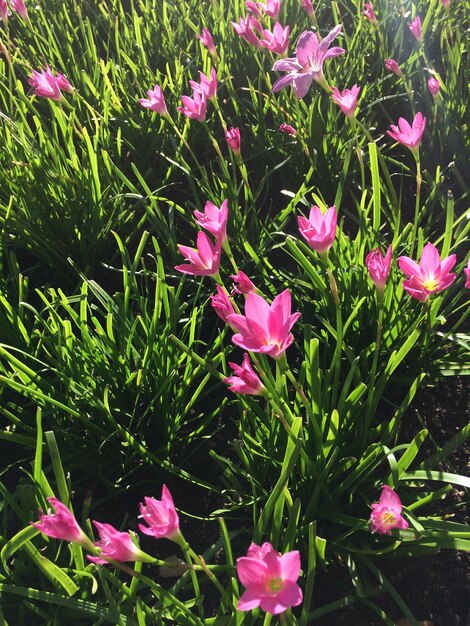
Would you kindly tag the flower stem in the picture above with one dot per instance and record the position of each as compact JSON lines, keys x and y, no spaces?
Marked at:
{"x":417,"y":203}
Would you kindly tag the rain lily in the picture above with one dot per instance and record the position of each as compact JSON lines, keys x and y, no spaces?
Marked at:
{"x":253,"y":8}
{"x":409,"y":136}
{"x":222,"y":305}
{"x":346,"y":99}
{"x":195,"y":107}
{"x":319,"y":230}
{"x":244,"y":29}
{"x":369,"y":12}
{"x":46,"y":85}
{"x":232,"y":135}
{"x":206,"y":39}
{"x":156,"y":101}
{"x":289,"y":130}
{"x":386,"y":513}
{"x":271,"y":8}
{"x":243,"y":283}
{"x":265,"y":327}
{"x":246,"y":380}
{"x":308,"y":7}
{"x":203,"y":260}
{"x":378,"y":266}
{"x":433,"y":86}
{"x":161,"y":517}
{"x":430,"y":276}
{"x":4,"y":10}
{"x":214,"y":219}
{"x":115,"y":545}
{"x":415,"y":28}
{"x":208,"y":84}
{"x":20,"y":8}
{"x":278,"y":40}
{"x":392,"y":66}
{"x":307,"y":65}
{"x":467,"y":274}
{"x":270,"y":579}
{"x":62,"y":525}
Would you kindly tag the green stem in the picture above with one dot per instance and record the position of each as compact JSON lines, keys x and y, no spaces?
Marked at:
{"x":417,"y":203}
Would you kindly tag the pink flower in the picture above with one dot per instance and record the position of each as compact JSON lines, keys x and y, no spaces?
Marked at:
{"x":206,"y":39}
{"x":430,"y":276}
{"x":467,"y":274}
{"x":203,"y":260}
{"x":369,"y":12}
{"x":270,"y":579}
{"x":319,"y":230}
{"x":232,"y":136}
{"x":115,"y":545}
{"x":271,"y":8}
{"x":415,"y":28}
{"x":243,"y":283}
{"x":378,"y":266}
{"x":308,"y":7}
{"x":161,"y":517}
{"x":222,"y":305}
{"x":195,"y":107}
{"x":386,"y":514}
{"x":307,"y":65}
{"x":246,"y":380}
{"x":392,"y":66}
{"x":253,"y":8}
{"x":208,"y":84}
{"x":20,"y":8}
{"x":265,"y":328}
{"x":346,"y":99}
{"x":46,"y":85}
{"x":156,"y":101}
{"x":433,"y":86}
{"x":409,"y":136}
{"x":278,"y":40}
{"x":289,"y":130}
{"x":62,"y":525}
{"x":4,"y":10}
{"x":214,"y":220}
{"x":244,"y":29}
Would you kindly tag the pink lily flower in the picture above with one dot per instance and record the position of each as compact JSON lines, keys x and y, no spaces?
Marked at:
{"x":278,"y":40}
{"x":246,"y":380}
{"x":307,"y":6}
{"x":222,"y":305}
{"x":195,"y":108}
{"x":232,"y":136}
{"x":430,"y":276}
{"x":386,"y":513}
{"x":19,"y":7}
{"x":307,"y":65}
{"x":253,"y":8}
{"x":265,"y":328}
{"x":4,"y":10}
{"x":203,"y":260}
{"x":433,"y":85}
{"x":319,"y":230}
{"x":467,"y":274}
{"x":46,"y":85}
{"x":208,"y":84}
{"x":206,"y":39}
{"x":392,"y":66}
{"x":270,"y":579}
{"x":244,"y":29}
{"x":346,"y":99}
{"x":369,"y":12}
{"x":161,"y":517}
{"x":415,"y":28}
{"x":115,"y":545}
{"x":214,"y":220}
{"x":288,"y":129}
{"x":62,"y":525}
{"x":378,"y":266}
{"x":409,"y":136}
{"x":156,"y":101}
{"x":243,"y":283}
{"x":271,"y":8}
